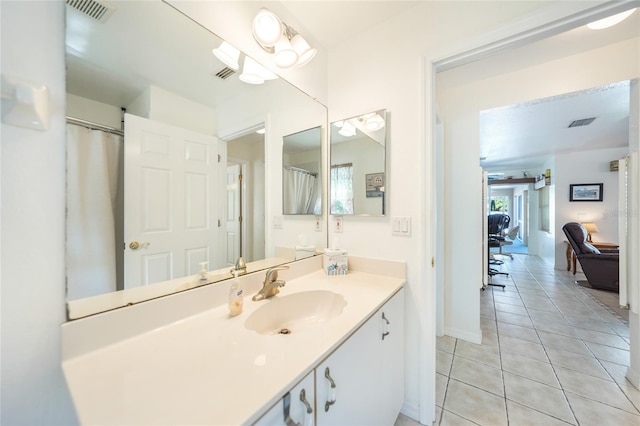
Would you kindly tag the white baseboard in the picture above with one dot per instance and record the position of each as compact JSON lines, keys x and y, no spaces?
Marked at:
{"x":465,"y":335}
{"x":411,"y":411}
{"x":633,"y":376}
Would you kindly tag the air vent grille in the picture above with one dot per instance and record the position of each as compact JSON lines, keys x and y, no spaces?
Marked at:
{"x":225,"y":73}
{"x":582,"y":122}
{"x":95,"y":9}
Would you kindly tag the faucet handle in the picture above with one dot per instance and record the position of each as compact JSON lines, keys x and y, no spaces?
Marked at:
{"x":272,"y":273}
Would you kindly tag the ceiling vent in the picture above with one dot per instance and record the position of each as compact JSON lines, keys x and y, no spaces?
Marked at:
{"x":95,"y":9}
{"x":582,"y":122}
{"x":225,"y":73}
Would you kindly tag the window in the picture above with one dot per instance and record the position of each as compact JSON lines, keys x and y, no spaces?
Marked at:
{"x":543,"y":205}
{"x":499,"y":203}
{"x":342,"y":189}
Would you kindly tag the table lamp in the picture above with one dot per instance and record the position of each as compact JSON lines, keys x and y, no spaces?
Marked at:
{"x":591,"y":227}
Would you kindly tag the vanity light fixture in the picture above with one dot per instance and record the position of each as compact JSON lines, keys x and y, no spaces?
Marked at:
{"x":276,"y":37}
{"x":228,"y":54}
{"x":610,"y":21}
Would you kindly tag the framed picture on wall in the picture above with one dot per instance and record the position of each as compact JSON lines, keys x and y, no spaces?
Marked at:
{"x":585,"y":192}
{"x":374,"y":184}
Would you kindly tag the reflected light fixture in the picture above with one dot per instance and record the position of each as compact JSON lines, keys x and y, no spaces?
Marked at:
{"x":347,"y":129}
{"x":372,"y":122}
{"x":276,"y":37}
{"x":261,"y":131}
{"x":254,"y":73}
{"x":228,"y":54}
{"x":610,"y":21}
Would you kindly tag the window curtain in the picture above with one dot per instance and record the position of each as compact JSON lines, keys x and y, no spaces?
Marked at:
{"x":299,"y":187}
{"x":342,"y":189}
{"x":93,"y":163}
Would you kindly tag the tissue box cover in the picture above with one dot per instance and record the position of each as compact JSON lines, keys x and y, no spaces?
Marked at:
{"x":335,"y":262}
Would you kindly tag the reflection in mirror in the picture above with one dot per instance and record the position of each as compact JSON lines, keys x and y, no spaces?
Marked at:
{"x":357,"y":181}
{"x":151,"y":129}
{"x":302,"y":172}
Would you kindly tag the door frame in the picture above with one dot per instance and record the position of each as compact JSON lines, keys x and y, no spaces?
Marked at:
{"x":552,"y":20}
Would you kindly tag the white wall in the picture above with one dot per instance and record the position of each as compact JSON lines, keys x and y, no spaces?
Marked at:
{"x":33,"y":390}
{"x":593,"y":168}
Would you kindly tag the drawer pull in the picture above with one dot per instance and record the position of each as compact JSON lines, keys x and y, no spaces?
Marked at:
{"x":331,"y":398}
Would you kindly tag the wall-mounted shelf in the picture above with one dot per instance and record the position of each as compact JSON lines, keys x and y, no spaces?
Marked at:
{"x":511,"y":181}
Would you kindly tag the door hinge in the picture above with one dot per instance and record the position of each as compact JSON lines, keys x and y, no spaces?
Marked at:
{"x":240,"y":177}
{"x":240,"y":219}
{"x":433,"y":262}
{"x":219,"y":223}
{"x":219,"y":158}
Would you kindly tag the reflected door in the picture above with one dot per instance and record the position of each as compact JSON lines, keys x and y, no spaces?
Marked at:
{"x":170,"y":191}
{"x":233,"y":213}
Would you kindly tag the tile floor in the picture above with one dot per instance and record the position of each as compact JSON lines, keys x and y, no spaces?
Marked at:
{"x":552,"y":354}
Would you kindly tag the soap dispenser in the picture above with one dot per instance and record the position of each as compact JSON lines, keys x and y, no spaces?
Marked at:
{"x":235,"y":296}
{"x":202,"y":277}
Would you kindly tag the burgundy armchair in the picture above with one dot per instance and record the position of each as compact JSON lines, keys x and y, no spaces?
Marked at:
{"x":600,"y":267}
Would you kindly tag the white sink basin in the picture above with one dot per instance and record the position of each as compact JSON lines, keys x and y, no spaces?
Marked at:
{"x":295,"y":312}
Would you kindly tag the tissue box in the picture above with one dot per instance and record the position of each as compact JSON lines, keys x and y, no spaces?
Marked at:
{"x":335,"y":262}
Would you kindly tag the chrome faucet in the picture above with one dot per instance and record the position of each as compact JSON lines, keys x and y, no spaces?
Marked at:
{"x":271,"y":285}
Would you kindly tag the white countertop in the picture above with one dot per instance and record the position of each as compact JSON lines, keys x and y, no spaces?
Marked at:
{"x":210,"y":369}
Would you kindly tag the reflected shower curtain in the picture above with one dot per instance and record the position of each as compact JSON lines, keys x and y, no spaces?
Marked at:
{"x":93,"y":163}
{"x":298,"y":191}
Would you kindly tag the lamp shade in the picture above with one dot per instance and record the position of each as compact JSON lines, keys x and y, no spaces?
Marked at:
{"x":610,"y":21}
{"x":286,"y":57}
{"x":591,"y":227}
{"x":228,"y":54}
{"x":267,"y":28}
{"x":373,"y":122}
{"x":347,"y":129}
{"x":252,"y":72}
{"x":305,"y":52}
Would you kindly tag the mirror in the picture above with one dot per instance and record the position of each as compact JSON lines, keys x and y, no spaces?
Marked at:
{"x":150,"y":67}
{"x":302,"y":173}
{"x":358,"y":173}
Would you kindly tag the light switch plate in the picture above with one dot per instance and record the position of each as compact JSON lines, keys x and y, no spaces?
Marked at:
{"x":337,"y":224}
{"x":318,"y":225}
{"x":401,"y":226}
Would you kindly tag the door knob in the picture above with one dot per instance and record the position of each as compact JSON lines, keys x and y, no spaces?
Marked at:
{"x":134,"y":245}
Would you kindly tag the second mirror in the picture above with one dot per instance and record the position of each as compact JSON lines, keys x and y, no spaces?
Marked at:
{"x":358,"y":158}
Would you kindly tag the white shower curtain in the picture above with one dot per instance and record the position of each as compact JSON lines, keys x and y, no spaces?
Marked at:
{"x":93,"y":162}
{"x":299,"y":186}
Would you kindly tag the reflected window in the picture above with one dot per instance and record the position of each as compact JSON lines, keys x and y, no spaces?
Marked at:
{"x":342,"y":189}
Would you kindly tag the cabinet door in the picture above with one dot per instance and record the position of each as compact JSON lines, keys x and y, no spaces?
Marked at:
{"x":391,"y":369}
{"x":300,"y":403}
{"x":352,"y":370}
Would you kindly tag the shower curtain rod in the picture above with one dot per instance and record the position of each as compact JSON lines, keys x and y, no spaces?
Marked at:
{"x":94,"y":126}
{"x":297,"y":169}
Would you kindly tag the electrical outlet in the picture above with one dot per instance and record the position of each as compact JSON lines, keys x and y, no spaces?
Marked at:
{"x":318,"y":226}
{"x":337,"y":224}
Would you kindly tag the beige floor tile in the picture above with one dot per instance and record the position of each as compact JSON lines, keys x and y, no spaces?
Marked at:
{"x":607,"y":353}
{"x":441,"y":388}
{"x":478,"y":375}
{"x":536,"y":314}
{"x":594,"y":388}
{"x":490,"y":338}
{"x":602,"y":338}
{"x":593,"y":413}
{"x":621,"y":329}
{"x":631,"y":392}
{"x":523,"y":347}
{"x":503,"y":307}
{"x":540,"y":397}
{"x":446,"y":344}
{"x":403,"y":420}
{"x":443,"y":362}
{"x":524,"y":333}
{"x":617,"y":372}
{"x":520,"y":320}
{"x":483,"y":354}
{"x":519,"y":415}
{"x":591,"y":323}
{"x":475,"y":404}
{"x":529,"y":368}
{"x":563,"y":342}
{"x":554,"y":326}
{"x":577,"y":362}
{"x":450,"y":419}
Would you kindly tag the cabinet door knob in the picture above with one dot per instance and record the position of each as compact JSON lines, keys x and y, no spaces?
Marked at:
{"x":331,"y":397}
{"x":385,"y":328}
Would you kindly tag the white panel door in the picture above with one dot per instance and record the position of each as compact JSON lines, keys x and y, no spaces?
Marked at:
{"x":233,"y":214}
{"x":170,"y":193}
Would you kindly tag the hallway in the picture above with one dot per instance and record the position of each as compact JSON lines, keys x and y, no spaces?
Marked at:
{"x":551,"y":354}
